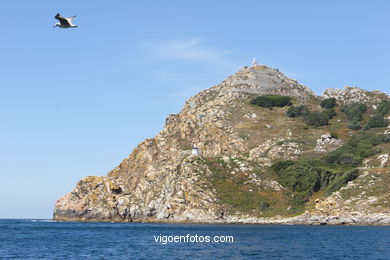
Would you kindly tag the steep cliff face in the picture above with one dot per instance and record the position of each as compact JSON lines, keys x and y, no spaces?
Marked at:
{"x":230,"y":181}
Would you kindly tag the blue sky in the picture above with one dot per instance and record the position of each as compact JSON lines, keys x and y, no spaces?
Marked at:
{"x":75,"y":102}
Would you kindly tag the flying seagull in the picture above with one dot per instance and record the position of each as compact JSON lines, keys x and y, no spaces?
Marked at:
{"x":64,"y":22}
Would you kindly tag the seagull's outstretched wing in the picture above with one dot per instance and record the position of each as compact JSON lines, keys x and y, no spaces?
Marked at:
{"x":71,"y":18}
{"x":63,"y":20}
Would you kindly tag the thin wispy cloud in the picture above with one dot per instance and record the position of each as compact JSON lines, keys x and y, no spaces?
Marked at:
{"x":189,"y":49}
{"x":170,"y":75}
{"x":183,"y":51}
{"x":176,"y":96}
{"x":187,"y":92}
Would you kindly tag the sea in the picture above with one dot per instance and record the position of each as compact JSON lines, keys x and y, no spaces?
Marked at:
{"x":47,"y":239}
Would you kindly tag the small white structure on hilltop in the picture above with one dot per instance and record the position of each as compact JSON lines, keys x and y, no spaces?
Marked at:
{"x":195,"y":150}
{"x":254,"y":62}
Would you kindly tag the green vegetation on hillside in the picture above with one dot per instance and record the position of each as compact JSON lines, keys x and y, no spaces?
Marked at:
{"x":328,"y":103}
{"x":329,"y":113}
{"x":354,"y":125}
{"x":378,"y":120}
{"x":270,"y":101}
{"x":354,"y":113}
{"x":312,"y":118}
{"x":297,"y":111}
{"x":319,"y":118}
{"x":238,"y":194}
{"x":305,"y":178}
{"x":316,"y":119}
{"x":384,"y":107}
{"x":331,"y":171}
{"x":361,"y":145}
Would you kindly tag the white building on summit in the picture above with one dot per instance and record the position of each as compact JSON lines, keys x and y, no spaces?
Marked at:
{"x":254,"y":62}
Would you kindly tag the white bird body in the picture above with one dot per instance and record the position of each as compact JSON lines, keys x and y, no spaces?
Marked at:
{"x":65,"y":22}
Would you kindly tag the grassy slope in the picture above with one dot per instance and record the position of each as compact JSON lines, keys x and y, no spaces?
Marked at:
{"x":233,"y":189}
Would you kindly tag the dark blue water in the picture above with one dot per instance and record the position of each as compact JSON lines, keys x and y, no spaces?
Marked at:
{"x":36,"y":239}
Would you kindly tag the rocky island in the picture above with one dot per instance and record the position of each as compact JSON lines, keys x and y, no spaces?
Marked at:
{"x":257,"y":148}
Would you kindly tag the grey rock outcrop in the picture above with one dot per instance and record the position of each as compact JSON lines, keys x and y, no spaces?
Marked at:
{"x":354,"y":94}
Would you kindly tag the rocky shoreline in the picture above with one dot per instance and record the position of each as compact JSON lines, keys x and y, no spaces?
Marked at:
{"x":356,"y":219}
